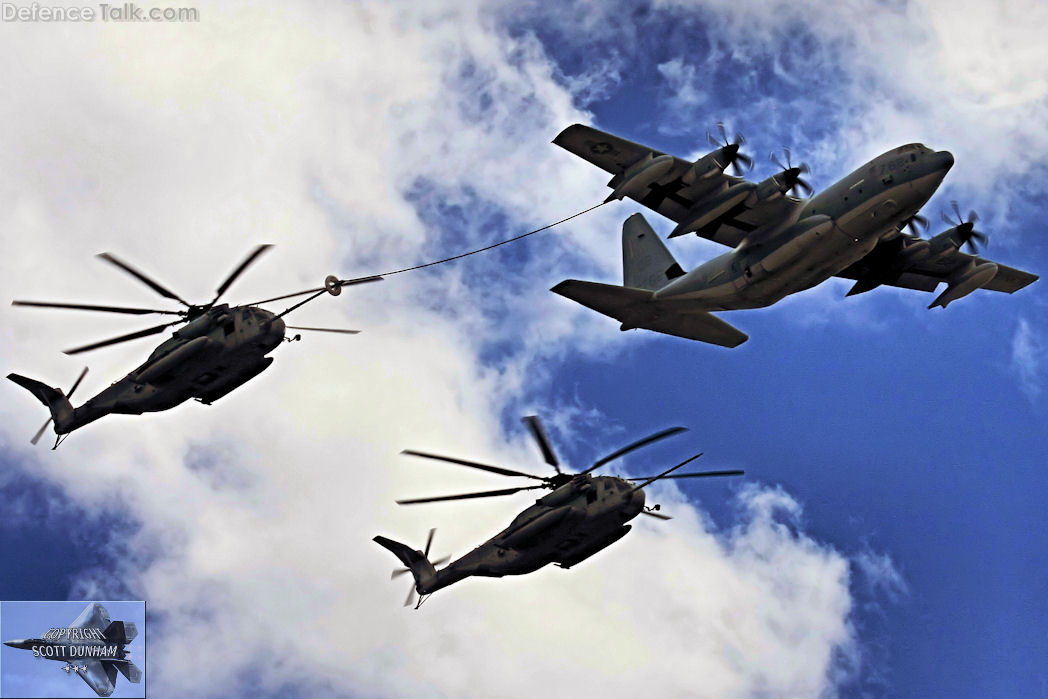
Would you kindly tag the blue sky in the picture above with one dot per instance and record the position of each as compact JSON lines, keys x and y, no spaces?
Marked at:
{"x":26,"y":676}
{"x":891,"y":514}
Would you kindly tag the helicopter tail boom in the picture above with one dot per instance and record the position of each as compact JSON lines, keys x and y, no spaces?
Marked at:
{"x":56,"y":401}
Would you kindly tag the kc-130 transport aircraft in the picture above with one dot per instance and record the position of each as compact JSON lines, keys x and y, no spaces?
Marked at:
{"x":781,"y":244}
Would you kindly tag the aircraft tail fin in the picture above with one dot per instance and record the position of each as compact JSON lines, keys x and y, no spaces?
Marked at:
{"x":646,"y":262}
{"x":418,"y":564}
{"x":56,"y":401}
{"x":121,"y":632}
{"x":637,"y":308}
{"x":416,"y":561}
{"x":129,"y":670}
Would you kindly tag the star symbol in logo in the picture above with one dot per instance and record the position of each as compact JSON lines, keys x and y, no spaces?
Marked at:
{"x":601,"y":148}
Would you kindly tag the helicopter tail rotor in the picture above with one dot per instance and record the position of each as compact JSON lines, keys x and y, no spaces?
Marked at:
{"x":56,"y":401}
{"x":418,"y":564}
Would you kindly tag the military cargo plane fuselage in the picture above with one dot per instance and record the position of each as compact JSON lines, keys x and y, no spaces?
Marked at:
{"x":833,"y":230}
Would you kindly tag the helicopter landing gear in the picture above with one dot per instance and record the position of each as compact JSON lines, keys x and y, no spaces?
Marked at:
{"x":296,"y":338}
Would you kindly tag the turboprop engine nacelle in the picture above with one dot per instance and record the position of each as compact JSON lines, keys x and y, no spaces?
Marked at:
{"x":712,"y":207}
{"x":713,"y":163}
{"x":774,"y":187}
{"x":944,"y":242}
{"x":640,"y":174}
{"x":964,"y":282}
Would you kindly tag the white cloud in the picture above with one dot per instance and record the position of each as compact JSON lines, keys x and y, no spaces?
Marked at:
{"x":683,"y":80}
{"x":178,"y":147}
{"x":881,"y":575}
{"x":1028,"y":358}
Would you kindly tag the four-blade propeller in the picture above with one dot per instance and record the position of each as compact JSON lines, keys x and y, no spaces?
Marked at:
{"x":966,"y":232}
{"x":791,"y":174}
{"x":739,"y":161}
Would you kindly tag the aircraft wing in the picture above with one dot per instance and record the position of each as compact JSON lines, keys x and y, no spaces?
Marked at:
{"x":94,"y":616}
{"x":882,"y":266}
{"x":670,"y":195}
{"x":99,"y":676}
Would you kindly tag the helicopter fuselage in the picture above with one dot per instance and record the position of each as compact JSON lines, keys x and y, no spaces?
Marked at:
{"x":565,"y":527}
{"x":204,"y":359}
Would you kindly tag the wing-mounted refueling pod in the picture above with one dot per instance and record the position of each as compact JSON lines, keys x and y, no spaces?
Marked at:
{"x":964,"y":281}
{"x":713,"y":207}
{"x":639,"y":175}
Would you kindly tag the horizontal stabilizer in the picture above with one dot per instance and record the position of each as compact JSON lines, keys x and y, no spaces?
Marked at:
{"x":636,"y":308}
{"x":701,"y":326}
{"x":616,"y":301}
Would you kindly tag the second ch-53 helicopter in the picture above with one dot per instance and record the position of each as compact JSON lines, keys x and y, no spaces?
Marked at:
{"x":583,"y":515}
{"x":219,"y":348}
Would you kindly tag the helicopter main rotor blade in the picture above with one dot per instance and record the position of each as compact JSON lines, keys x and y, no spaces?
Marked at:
{"x":123,"y":338}
{"x":248,"y":261}
{"x":703,"y":474}
{"x":152,"y":284}
{"x":77,"y":383}
{"x":470,"y":496}
{"x":89,"y":307}
{"x":323,"y":330}
{"x":472,"y":464}
{"x":665,"y":473}
{"x":535,"y":425}
{"x":637,"y":445}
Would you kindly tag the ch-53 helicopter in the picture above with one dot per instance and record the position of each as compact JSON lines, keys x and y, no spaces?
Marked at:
{"x":583,"y":515}
{"x":219,"y":348}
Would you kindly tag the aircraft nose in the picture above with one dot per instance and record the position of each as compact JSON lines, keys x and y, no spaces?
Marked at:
{"x":946,"y":157}
{"x":275,"y":331}
{"x":15,"y":644}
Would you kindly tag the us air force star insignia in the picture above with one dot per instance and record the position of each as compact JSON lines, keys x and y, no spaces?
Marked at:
{"x":602,"y":147}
